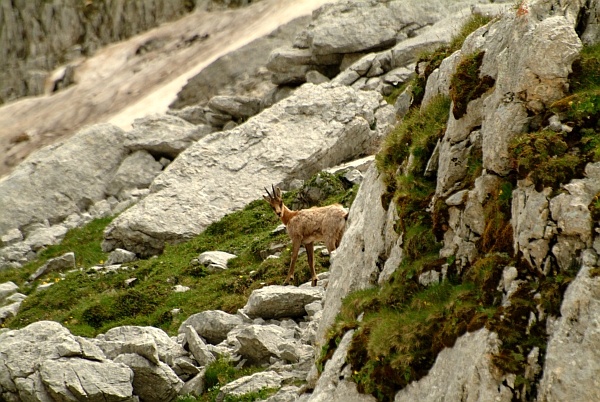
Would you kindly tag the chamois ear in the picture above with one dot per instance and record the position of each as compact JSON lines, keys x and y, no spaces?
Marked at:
{"x":267,"y":199}
{"x":278,"y":192}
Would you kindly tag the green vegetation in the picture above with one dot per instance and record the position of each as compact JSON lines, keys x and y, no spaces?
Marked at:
{"x":466,"y":85}
{"x":435,"y":58}
{"x":89,"y":303}
{"x":552,"y":158}
{"x":221,"y":373}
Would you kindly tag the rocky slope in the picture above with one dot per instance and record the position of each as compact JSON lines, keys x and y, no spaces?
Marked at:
{"x":469,"y":265}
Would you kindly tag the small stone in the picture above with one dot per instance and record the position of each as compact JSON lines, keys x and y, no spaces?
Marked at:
{"x":180,"y":289}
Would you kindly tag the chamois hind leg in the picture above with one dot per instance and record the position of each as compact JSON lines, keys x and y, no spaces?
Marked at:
{"x":310,"y":253}
{"x":290,"y":275}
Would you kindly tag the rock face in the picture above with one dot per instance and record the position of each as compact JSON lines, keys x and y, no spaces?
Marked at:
{"x":39,"y":36}
{"x":45,"y":362}
{"x":243,"y":66}
{"x":464,"y":369}
{"x":369,"y":238}
{"x":78,"y":170}
{"x":572,"y":354}
{"x":222,"y":172}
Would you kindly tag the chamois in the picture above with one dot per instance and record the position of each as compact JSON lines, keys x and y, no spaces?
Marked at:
{"x":306,"y":226}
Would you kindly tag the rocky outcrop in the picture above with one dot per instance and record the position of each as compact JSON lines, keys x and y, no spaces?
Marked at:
{"x":572,"y":353}
{"x":222,"y":172}
{"x":39,"y":36}
{"x":465,"y":369}
{"x":239,"y":73}
{"x":368,"y":241}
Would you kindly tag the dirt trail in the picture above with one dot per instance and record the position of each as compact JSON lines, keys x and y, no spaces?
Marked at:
{"x":137,"y":77}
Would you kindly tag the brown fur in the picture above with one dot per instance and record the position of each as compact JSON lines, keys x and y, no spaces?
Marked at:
{"x":307,"y":226}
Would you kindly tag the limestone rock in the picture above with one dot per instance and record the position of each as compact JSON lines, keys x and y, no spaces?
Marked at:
{"x":238,"y":106}
{"x":225,"y":75}
{"x":280,"y":301}
{"x":355,"y":265}
{"x":65,"y":261}
{"x":212,"y":325}
{"x":215,"y":260}
{"x":252,"y":383}
{"x":11,"y":237}
{"x":461,"y":371}
{"x":260,"y":342}
{"x":163,"y":135}
{"x":80,"y":379}
{"x":120,"y":256}
{"x":77,"y":170}
{"x":326,"y":124}
{"x":151,"y":381}
{"x":7,"y":289}
{"x":43,"y":362}
{"x":195,"y":386}
{"x":137,"y":171}
{"x":198,"y":347}
{"x":572,"y":358}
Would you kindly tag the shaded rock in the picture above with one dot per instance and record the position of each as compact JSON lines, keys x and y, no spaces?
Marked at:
{"x":315,"y":77}
{"x":212,"y":325}
{"x":137,"y":171}
{"x":195,"y":386}
{"x":327,"y":123}
{"x":151,"y":382}
{"x":77,"y":170}
{"x":198,"y":347}
{"x":120,"y":256}
{"x":237,"y":106}
{"x":163,"y":135}
{"x":194,"y":114}
{"x":280,"y":301}
{"x":252,"y":383}
{"x":65,"y":261}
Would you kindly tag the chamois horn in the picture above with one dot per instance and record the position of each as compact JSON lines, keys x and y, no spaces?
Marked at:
{"x":270,"y":196}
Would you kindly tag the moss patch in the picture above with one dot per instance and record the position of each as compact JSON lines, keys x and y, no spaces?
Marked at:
{"x":467,"y":85}
{"x":434,"y":59}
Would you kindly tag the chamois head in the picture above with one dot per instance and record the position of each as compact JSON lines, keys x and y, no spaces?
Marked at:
{"x":275,"y":200}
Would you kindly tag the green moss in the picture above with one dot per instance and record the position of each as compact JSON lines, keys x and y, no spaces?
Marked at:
{"x":434,"y":59}
{"x":544,"y":156}
{"x":467,"y":85}
{"x":585,"y":70}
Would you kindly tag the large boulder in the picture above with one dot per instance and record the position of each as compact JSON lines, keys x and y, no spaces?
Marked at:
{"x":280,"y":301}
{"x":261,"y":342}
{"x":61,"y":179}
{"x":152,"y":382}
{"x":222,"y":172}
{"x":44,"y":362}
{"x":212,"y":325}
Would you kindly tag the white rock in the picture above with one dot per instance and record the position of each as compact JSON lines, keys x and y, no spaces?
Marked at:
{"x":212,"y":325}
{"x":215,"y":260}
{"x":280,"y":301}
{"x":252,"y":383}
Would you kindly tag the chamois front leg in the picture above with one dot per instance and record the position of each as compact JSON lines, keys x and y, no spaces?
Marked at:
{"x":295,"y":249}
{"x":310,"y":252}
